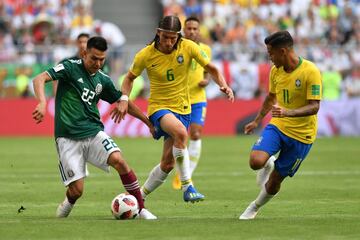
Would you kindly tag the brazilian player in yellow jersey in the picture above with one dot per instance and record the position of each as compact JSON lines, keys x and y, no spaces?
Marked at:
{"x":198,"y":80}
{"x":167,"y":61}
{"x":293,"y":100}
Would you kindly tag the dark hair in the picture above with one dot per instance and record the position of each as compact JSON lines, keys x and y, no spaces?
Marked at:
{"x":171,"y":24}
{"x":98,"y":43}
{"x":279,"y":39}
{"x":192,"y":18}
{"x":83,"y":35}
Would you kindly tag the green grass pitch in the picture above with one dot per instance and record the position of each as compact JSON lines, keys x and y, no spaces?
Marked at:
{"x":322,"y":201}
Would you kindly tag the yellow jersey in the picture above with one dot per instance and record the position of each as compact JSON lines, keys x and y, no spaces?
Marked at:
{"x":169,"y":75}
{"x":198,"y":94}
{"x":293,"y":90}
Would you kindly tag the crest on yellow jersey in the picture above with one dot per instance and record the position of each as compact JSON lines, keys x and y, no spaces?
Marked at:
{"x":180,"y":59}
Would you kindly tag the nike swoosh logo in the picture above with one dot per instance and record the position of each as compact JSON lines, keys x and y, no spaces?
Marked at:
{"x":154,"y":65}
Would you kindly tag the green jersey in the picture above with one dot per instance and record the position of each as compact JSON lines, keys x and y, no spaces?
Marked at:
{"x":78,"y":92}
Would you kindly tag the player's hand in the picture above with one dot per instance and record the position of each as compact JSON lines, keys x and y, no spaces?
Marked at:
{"x":119,"y":112}
{"x":203,"y":83}
{"x":152,"y":130}
{"x":39,"y":112}
{"x":229,"y":92}
{"x":278,"y":112}
{"x":249,"y":128}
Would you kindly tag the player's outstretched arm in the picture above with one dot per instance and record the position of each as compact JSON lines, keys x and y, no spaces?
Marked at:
{"x":219,"y":79}
{"x":39,"y":89}
{"x":125,"y":90}
{"x":268,"y":103}
{"x":134,"y":111}
{"x":310,"y":109}
{"x":203,"y":83}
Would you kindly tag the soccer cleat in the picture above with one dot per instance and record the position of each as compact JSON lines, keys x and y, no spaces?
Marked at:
{"x":146,"y":214}
{"x":264,"y":173}
{"x":250,"y":212}
{"x":176,"y":183}
{"x":64,"y":209}
{"x":191,"y":195}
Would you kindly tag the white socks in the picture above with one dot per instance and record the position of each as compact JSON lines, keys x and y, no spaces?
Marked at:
{"x":155,"y":179}
{"x":263,"y":198}
{"x":181,"y":157}
{"x":64,"y":209}
{"x":194,"y":154}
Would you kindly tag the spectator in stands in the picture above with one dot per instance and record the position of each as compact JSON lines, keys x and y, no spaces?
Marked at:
{"x":81,"y":22}
{"x":332,"y":84}
{"x":8,"y":51}
{"x":352,"y":83}
{"x":193,"y":8}
{"x":245,"y":81}
{"x":116,"y":39}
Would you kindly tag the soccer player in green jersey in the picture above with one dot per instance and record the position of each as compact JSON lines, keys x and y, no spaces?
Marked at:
{"x":81,"y":42}
{"x":167,"y":61}
{"x":293,"y":100}
{"x":79,"y":133}
{"x":199,"y":79}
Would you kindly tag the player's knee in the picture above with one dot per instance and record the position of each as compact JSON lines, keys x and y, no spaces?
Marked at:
{"x":118,"y":162}
{"x":180,"y":138}
{"x":256,"y":162}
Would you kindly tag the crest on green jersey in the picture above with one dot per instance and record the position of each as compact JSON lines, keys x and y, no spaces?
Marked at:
{"x":98,"y":89}
{"x":180,"y":58}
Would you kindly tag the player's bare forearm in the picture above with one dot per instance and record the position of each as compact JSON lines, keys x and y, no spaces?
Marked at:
{"x":203,"y":83}
{"x":310,"y":109}
{"x":269,"y":101}
{"x":39,"y":86}
{"x":135,"y":111}
{"x":127,"y":84}
{"x":39,"y":89}
{"x":216,"y":76}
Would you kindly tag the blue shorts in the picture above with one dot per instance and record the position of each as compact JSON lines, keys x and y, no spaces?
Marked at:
{"x":155,"y":120}
{"x":198,"y":113}
{"x":292,"y":152}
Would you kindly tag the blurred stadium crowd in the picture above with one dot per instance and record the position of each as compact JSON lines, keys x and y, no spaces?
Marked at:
{"x":36,"y":34}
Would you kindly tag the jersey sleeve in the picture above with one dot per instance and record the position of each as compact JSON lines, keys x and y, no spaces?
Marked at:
{"x":208,"y":52}
{"x":138,"y":64}
{"x":271,"y":80}
{"x":198,"y":54}
{"x":60,"y":72}
{"x":314,"y":85}
{"x":110,"y":94}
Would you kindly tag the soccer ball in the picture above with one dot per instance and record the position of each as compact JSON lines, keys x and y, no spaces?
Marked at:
{"x":124,"y":206}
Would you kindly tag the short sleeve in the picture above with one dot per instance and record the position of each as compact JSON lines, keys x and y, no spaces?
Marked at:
{"x":138,"y":64}
{"x":271,"y":80}
{"x":314,"y":84}
{"x":110,"y":94}
{"x":60,"y":72}
{"x":198,"y":54}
